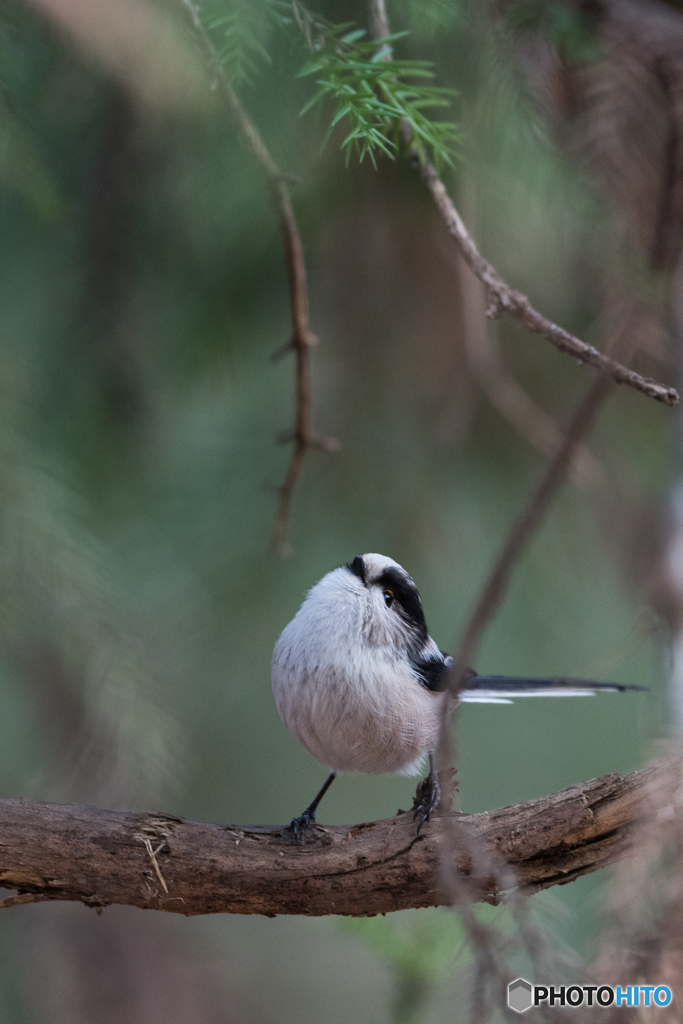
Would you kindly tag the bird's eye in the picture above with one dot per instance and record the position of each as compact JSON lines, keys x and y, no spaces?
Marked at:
{"x":388,"y":598}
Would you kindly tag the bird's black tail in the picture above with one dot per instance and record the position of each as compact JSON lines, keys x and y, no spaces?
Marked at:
{"x":503,"y":689}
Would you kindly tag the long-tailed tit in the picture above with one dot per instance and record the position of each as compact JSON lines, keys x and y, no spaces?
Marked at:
{"x":360,"y":683}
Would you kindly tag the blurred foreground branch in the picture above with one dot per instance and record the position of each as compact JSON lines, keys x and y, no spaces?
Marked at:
{"x":554,"y":471}
{"x":302,"y":336}
{"x":161,"y":862}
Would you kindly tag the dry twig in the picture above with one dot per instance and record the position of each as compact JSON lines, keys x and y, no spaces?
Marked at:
{"x":89,"y":855}
{"x":502,"y":390}
{"x":501,"y":298}
{"x":153,"y":857}
{"x":302,"y":336}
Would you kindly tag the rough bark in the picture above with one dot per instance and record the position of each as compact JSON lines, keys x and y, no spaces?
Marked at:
{"x":162,"y":862}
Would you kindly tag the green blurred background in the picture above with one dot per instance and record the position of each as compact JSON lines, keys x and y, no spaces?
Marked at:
{"x":142,"y":291}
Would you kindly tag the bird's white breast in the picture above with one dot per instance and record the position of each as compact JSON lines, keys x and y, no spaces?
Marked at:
{"x":345,"y":689}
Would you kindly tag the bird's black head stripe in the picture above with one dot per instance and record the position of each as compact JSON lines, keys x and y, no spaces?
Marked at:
{"x":357,"y":567}
{"x":408,"y":597}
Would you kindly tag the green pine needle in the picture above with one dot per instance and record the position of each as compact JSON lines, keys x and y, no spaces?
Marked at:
{"x":374,"y":93}
{"x":241,"y":34}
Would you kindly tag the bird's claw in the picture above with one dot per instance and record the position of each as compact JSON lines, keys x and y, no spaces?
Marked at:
{"x":302,"y":822}
{"x":427,"y":799}
{"x":433,"y":792}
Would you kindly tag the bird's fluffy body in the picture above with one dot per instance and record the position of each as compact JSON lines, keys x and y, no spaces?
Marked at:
{"x":360,"y":683}
{"x":344,"y":676}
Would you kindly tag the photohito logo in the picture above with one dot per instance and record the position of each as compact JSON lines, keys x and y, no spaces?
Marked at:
{"x":522,"y":995}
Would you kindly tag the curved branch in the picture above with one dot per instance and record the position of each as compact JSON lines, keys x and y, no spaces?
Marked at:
{"x":162,"y":862}
{"x":502,"y":298}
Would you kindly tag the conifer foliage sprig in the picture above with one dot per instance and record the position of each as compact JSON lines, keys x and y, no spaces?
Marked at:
{"x":375,"y":93}
{"x":241,"y":33}
{"x":369,"y":90}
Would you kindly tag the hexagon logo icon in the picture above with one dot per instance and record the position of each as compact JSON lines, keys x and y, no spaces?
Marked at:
{"x":519,"y":995}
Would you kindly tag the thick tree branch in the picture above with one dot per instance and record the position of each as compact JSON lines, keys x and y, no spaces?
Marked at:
{"x":161,"y":862}
{"x":302,"y":336}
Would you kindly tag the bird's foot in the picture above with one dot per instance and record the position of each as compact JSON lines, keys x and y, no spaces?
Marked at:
{"x":431,"y":794}
{"x":427,"y":799}
{"x":297,"y":825}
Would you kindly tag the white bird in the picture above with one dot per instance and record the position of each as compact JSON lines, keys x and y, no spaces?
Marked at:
{"x":360,"y":683}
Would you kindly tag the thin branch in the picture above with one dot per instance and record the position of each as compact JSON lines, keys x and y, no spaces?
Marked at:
{"x":501,"y":298}
{"x":502,"y":390}
{"x":378,"y":19}
{"x":623,"y":341}
{"x":53,"y":852}
{"x":497,"y":583}
{"x":578,"y":427}
{"x":499,"y":577}
{"x":302,"y":336}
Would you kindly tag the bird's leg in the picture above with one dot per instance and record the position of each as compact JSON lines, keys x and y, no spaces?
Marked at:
{"x":308,"y":817}
{"x":428,"y":795}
